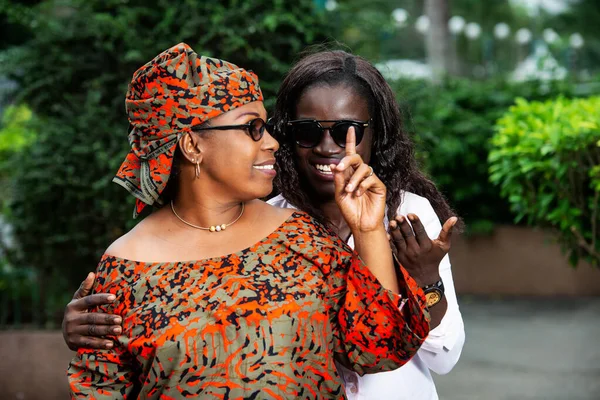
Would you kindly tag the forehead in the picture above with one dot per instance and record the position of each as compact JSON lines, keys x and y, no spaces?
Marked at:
{"x":332,"y":102}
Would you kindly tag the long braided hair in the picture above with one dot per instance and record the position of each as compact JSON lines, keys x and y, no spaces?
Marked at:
{"x":392,"y":159}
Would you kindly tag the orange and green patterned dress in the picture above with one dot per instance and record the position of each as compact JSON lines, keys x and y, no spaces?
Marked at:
{"x":266,"y":322}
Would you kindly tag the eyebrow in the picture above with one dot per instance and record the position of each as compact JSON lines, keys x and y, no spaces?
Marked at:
{"x":249,"y":113}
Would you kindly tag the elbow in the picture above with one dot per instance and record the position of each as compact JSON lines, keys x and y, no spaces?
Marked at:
{"x":442,"y":363}
{"x":443,"y":368}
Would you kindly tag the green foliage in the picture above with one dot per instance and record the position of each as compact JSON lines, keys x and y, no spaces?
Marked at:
{"x":15,"y":131}
{"x":74,"y":72}
{"x":452,"y":124}
{"x":546,"y":160}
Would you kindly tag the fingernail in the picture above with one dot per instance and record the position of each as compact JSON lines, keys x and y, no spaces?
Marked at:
{"x":401,"y":218}
{"x":412,"y":217}
{"x":112,"y":297}
{"x":341,"y":165}
{"x":349,"y":188}
{"x":117,"y":330}
{"x":116,"y":320}
{"x":109,"y":345}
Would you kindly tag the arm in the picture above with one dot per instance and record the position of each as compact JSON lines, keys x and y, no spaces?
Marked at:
{"x":360,"y":196}
{"x":421,"y":255}
{"x":442,"y":348}
{"x":374,"y":329}
{"x":104,"y":374}
{"x":374,"y":249}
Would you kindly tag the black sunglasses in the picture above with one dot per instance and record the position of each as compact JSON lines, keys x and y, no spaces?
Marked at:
{"x":256,"y":128}
{"x":309,"y":133}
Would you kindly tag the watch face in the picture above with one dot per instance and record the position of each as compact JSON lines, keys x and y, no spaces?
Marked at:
{"x":433,"y":298}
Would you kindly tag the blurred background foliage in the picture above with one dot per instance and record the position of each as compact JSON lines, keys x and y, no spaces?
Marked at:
{"x":452,"y":124}
{"x":546,"y":159}
{"x":65,"y":66}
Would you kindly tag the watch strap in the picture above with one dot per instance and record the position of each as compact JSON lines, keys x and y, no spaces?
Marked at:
{"x":439,"y":285}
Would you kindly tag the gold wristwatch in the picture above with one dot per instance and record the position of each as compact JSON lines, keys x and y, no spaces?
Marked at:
{"x":434,"y":293}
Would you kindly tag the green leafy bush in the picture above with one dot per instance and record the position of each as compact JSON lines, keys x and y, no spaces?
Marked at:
{"x":546,"y":160}
{"x":452,"y":125}
{"x":73,"y":73}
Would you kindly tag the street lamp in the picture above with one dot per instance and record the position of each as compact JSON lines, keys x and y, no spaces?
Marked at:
{"x":472,"y":30}
{"x":550,"y":36}
{"x":523,"y":36}
{"x":400,"y":15}
{"x":576,"y":41}
{"x":422,"y":24}
{"x":331,"y":5}
{"x":456,"y":24}
{"x":501,"y":30}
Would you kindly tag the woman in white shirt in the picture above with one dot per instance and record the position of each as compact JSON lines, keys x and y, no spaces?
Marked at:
{"x":322,"y":97}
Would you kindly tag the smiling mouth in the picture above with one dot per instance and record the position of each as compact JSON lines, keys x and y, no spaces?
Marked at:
{"x":324,"y":169}
{"x":263,"y":167}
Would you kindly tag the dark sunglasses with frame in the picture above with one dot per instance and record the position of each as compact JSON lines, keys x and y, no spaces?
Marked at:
{"x":255,"y":128}
{"x":309,"y":132}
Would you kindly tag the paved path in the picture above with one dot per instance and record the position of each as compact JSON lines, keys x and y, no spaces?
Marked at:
{"x":527,"y":349}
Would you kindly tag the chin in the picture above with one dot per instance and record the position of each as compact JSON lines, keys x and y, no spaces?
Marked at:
{"x":257,"y":192}
{"x":325,"y":191}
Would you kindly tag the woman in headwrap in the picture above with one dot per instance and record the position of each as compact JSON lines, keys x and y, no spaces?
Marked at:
{"x":220,"y":294}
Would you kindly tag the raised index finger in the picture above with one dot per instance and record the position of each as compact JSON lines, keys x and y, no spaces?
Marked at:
{"x":351,"y":142}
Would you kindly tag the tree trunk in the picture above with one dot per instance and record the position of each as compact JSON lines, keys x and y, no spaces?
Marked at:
{"x":438,"y":37}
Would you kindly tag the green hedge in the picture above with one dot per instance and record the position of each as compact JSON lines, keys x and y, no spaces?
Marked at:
{"x":452,"y":125}
{"x":546,"y":160}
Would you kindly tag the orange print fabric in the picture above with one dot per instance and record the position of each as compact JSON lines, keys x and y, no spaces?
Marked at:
{"x":266,"y":322}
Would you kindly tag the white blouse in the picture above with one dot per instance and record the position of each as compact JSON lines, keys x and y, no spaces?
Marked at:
{"x":440,"y":351}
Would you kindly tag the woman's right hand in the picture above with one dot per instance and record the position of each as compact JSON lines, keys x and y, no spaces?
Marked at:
{"x":82,"y":328}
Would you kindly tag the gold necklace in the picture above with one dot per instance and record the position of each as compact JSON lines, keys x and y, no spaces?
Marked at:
{"x":213,"y":228}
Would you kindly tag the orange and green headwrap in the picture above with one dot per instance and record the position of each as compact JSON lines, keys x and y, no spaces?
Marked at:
{"x":167,"y":97}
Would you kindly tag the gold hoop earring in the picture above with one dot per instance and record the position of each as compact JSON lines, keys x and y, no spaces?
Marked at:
{"x":197,"y":169}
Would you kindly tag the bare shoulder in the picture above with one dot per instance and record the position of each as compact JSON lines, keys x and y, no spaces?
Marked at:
{"x":270,"y":212}
{"x":136,"y":243}
{"x":123,"y":247}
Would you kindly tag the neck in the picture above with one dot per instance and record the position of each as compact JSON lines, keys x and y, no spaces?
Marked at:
{"x":205,"y":211}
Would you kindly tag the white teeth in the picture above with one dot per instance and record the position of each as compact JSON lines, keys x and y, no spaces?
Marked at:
{"x":323,"y":168}
{"x":264,"y":166}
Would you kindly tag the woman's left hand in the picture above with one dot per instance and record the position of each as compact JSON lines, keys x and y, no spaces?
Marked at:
{"x":359,"y":193}
{"x":418,"y":254}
